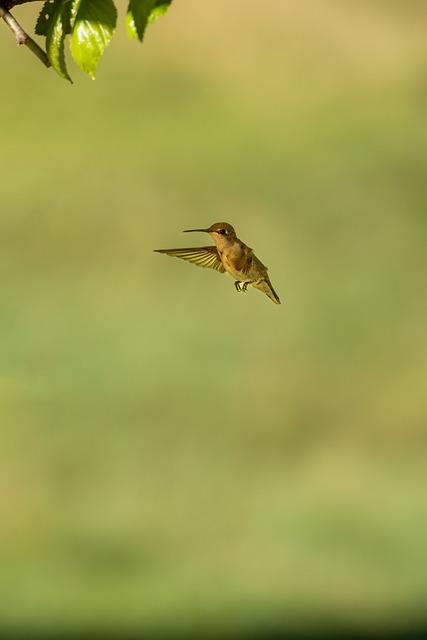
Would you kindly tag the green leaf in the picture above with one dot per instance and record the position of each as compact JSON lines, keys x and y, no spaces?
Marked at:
{"x":45,"y":16}
{"x":142,"y":12}
{"x":137,"y":17}
{"x":93,"y":25}
{"x":58,"y":26}
{"x":161,"y":7}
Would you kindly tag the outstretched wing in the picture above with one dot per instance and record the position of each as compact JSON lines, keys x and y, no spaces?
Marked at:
{"x":201,"y":256}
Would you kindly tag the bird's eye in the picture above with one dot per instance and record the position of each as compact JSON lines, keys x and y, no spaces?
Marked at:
{"x":222,"y":231}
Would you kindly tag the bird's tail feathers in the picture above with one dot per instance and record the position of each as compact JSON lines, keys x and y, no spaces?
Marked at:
{"x":266,"y":287}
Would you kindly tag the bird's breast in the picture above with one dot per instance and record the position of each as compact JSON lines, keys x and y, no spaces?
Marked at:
{"x":234,"y":259}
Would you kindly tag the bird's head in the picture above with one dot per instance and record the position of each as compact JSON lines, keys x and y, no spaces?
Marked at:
{"x":217,"y":230}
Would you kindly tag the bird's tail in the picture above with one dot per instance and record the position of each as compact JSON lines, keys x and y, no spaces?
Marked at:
{"x":266,"y":287}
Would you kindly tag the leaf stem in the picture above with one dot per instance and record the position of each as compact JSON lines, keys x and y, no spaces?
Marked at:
{"x":21,"y":37}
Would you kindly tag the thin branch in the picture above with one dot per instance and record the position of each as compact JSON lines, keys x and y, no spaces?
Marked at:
{"x":21,"y":36}
{"x":9,"y":4}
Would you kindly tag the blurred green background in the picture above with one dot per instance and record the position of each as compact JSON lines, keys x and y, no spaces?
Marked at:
{"x":174,"y":455}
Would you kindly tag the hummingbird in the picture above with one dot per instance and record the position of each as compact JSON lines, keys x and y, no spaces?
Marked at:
{"x":231,"y":255}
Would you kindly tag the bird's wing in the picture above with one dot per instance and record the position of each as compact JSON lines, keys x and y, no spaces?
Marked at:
{"x":201,"y":256}
{"x":260,"y":265}
{"x":248,"y":259}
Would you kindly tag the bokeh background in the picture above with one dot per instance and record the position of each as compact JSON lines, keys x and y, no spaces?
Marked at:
{"x":174,"y":456}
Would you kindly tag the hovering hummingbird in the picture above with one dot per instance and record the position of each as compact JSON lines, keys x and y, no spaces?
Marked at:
{"x":229,"y":254}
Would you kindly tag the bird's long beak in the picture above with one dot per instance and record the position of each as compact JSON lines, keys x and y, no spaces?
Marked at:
{"x":192,"y":230}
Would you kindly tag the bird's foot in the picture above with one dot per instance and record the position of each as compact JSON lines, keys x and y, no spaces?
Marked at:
{"x":241,"y":287}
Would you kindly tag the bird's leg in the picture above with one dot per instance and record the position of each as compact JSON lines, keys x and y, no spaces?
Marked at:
{"x":237,"y":285}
